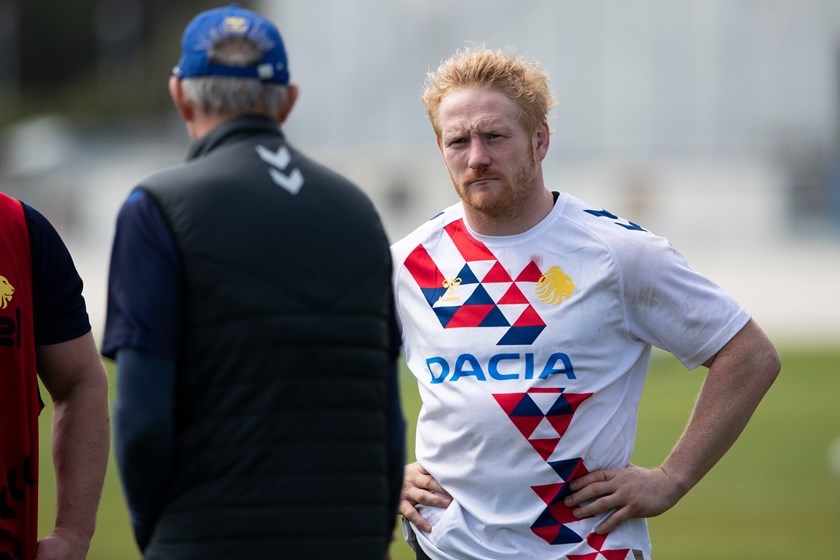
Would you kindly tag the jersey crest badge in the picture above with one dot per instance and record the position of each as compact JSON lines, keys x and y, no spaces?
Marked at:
{"x":6,"y":291}
{"x":554,"y":286}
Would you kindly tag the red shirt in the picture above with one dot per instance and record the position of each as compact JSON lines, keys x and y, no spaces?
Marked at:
{"x":20,"y":403}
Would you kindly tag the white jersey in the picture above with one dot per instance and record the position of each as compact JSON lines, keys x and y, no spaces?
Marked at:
{"x":530,"y":353}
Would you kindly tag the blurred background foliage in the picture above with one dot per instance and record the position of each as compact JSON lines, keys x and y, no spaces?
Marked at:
{"x":89,"y":58}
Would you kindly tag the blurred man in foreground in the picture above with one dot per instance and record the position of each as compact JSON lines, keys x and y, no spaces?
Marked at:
{"x":250,"y":316}
{"x":45,"y":332}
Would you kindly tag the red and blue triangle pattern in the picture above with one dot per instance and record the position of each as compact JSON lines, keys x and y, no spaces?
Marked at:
{"x":596,"y":542}
{"x":482,"y":293}
{"x":551,"y":524}
{"x":542,"y":416}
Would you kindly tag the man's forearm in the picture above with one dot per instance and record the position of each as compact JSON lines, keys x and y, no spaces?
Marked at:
{"x":738,"y":378}
{"x":73,"y":374}
{"x":80,"y":444}
{"x":144,"y":434}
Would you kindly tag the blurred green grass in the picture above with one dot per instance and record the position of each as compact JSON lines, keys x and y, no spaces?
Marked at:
{"x":771,"y":497}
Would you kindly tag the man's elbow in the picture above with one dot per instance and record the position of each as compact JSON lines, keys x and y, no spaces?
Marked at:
{"x":762,"y":365}
{"x":770,"y":364}
{"x":763,"y":358}
{"x":87,"y":394}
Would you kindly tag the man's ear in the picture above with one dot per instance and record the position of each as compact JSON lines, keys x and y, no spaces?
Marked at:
{"x":176,"y":92}
{"x":286,"y":108}
{"x":541,"y":140}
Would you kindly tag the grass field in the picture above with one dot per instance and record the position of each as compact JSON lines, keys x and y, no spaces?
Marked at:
{"x":772,"y":496}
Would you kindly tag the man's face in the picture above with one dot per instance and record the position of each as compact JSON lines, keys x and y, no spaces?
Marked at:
{"x":492,"y":160}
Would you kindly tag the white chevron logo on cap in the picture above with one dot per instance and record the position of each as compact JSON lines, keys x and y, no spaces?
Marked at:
{"x":279,"y":161}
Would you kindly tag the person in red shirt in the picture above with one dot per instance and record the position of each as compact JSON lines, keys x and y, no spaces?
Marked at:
{"x":45,"y":332}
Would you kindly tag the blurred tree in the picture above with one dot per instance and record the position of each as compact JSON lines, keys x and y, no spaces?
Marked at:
{"x":90,"y":57}
{"x":56,"y":43}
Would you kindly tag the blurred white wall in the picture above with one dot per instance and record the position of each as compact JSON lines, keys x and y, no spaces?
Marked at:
{"x":694,"y":118}
{"x":682,"y":115}
{"x":633,"y":77}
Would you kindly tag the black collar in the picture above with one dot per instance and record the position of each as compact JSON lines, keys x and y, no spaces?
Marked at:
{"x":231,"y":131}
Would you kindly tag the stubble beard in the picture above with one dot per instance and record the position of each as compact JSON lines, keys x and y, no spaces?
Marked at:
{"x":505,"y":199}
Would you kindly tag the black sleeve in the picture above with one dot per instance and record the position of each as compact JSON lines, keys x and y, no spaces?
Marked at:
{"x":144,"y":435}
{"x":58,"y":305}
{"x":396,"y":430}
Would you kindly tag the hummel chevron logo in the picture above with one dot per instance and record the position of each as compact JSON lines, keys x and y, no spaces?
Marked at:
{"x":279,"y":161}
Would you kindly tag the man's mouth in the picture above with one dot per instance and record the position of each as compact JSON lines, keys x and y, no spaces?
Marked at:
{"x":479,"y":180}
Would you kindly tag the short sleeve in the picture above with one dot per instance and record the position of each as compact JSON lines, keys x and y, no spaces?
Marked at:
{"x":673,"y":307}
{"x":59,"y":308}
{"x":145,"y":293}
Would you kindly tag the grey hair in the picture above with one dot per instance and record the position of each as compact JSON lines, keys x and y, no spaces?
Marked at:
{"x":234,"y":96}
{"x":221,"y":95}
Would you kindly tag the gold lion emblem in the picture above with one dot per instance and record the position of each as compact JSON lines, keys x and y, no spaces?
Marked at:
{"x":6,"y":291}
{"x":236,"y":24}
{"x":554,"y":286}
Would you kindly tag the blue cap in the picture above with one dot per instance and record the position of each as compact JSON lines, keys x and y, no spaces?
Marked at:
{"x":209,"y":27}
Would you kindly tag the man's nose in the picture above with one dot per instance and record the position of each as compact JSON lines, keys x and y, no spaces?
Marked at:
{"x":478,"y":154}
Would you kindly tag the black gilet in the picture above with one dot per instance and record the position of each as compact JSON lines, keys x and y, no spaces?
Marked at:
{"x":280,"y":398}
